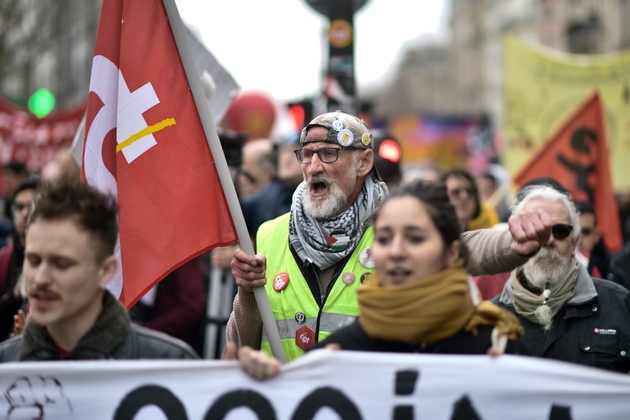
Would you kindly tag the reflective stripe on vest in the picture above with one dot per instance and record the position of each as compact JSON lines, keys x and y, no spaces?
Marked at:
{"x":341,"y":305}
{"x":327,"y":323}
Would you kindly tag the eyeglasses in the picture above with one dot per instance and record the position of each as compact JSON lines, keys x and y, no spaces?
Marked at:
{"x":456,"y":192}
{"x":561,"y":231}
{"x":18,"y":207}
{"x":326,"y":154}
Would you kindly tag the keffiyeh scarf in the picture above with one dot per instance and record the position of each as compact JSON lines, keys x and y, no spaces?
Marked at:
{"x":325,"y":242}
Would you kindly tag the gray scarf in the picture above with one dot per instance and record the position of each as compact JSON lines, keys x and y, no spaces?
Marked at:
{"x":526,"y":303}
{"x":325,"y":242}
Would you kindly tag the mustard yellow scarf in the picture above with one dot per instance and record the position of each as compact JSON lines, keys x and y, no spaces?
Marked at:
{"x":487,"y":218}
{"x":429,"y":310}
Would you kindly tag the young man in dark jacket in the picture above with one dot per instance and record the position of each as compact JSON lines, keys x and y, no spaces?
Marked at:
{"x":68,"y":262}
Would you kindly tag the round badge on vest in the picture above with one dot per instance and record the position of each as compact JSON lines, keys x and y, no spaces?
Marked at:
{"x":300,"y":318}
{"x":281,"y":281}
{"x":348,"y":278}
{"x":338,"y":240}
{"x":365,"y":258}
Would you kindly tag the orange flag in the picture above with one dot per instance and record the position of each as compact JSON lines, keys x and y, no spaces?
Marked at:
{"x":578,"y":157}
{"x":145,"y":144}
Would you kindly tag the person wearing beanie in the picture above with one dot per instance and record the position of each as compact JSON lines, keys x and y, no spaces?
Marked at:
{"x":567,"y":315}
{"x":312,"y":259}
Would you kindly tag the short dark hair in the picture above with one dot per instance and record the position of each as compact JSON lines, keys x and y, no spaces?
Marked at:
{"x":585,"y":207}
{"x":90,"y":209}
{"x":441,"y":211}
{"x":31,"y":183}
{"x":489,"y":177}
{"x":16,"y":167}
{"x":460,"y":173}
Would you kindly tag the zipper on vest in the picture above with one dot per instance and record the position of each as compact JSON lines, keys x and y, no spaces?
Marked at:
{"x":333,"y":280}
{"x":322,"y":299}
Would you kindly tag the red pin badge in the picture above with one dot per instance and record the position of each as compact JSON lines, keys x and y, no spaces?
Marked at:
{"x":304,"y":337}
{"x":281,"y":281}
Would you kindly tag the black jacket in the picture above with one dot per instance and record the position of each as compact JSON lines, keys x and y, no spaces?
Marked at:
{"x":353,"y":337}
{"x":271,"y":201}
{"x":111,"y":337}
{"x":592,"y":329}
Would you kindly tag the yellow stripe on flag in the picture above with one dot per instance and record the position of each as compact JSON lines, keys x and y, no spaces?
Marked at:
{"x":145,"y":132}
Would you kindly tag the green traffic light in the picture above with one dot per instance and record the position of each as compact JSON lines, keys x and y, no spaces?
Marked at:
{"x":41,"y":102}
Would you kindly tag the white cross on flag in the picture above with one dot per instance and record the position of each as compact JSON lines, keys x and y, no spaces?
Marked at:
{"x":146,"y":145}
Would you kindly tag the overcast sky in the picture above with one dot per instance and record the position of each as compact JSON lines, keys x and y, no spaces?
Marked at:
{"x":277,"y":45}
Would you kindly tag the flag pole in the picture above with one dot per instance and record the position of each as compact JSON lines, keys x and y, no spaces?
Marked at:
{"x":177,"y":27}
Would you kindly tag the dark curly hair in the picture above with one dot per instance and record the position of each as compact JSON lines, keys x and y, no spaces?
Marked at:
{"x":89,"y":208}
{"x":435,"y":200}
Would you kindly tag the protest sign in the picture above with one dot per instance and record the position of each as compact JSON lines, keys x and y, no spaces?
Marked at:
{"x":322,"y":385}
{"x":34,"y":141}
{"x":541,"y":87}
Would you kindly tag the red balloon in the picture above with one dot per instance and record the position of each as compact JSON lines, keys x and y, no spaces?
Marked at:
{"x":252,"y":113}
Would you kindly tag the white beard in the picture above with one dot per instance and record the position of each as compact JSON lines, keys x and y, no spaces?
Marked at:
{"x":330,"y":206}
{"x":552,"y":270}
{"x":546,"y":266}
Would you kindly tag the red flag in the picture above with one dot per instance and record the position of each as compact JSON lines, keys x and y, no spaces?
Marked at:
{"x":145,"y":144}
{"x":577,"y":156}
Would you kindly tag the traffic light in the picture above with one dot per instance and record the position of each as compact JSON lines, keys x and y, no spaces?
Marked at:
{"x":301,"y":112}
{"x":41,"y":102}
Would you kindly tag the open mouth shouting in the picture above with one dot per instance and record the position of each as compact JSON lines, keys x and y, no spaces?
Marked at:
{"x":318,"y":186}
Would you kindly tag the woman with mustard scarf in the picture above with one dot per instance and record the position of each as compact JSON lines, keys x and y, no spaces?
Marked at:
{"x":419,"y":299}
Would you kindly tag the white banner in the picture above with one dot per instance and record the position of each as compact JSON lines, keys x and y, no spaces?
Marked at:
{"x":321,"y":385}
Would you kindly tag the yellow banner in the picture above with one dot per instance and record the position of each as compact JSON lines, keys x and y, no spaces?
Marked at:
{"x":541,"y":87}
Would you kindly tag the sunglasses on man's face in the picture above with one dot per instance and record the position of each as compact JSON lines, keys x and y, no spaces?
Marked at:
{"x":561,"y":231}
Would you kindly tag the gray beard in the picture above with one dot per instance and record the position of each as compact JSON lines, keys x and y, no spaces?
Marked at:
{"x":329,"y":207}
{"x":553,"y":270}
{"x":324,"y":208}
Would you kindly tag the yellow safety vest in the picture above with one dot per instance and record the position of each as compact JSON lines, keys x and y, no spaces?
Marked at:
{"x":294,"y":306}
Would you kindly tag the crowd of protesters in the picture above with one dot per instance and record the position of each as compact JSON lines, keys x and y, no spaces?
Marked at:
{"x":354,"y":254}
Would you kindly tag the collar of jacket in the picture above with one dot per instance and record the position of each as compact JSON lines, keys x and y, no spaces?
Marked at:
{"x":584,"y":290}
{"x":108,"y":332}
